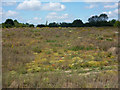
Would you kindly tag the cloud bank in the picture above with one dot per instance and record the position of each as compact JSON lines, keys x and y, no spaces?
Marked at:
{"x":37,"y":5}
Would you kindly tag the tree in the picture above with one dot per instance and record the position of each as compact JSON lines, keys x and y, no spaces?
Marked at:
{"x":100,"y":20}
{"x":93,"y":19}
{"x":64,"y":24}
{"x":77,"y":23}
{"x":103,"y":17}
{"x":53,"y":24}
{"x":9,"y":23}
{"x":87,"y":24}
{"x":40,"y":25}
{"x":117,"y":24}
{"x":27,"y":24}
{"x":31,"y":25}
{"x":16,"y":23}
{"x":112,"y":22}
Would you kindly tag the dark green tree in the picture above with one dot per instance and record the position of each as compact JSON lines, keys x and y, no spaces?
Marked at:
{"x":27,"y":24}
{"x":31,"y":25}
{"x":40,"y":25}
{"x":64,"y":24}
{"x":16,"y":23}
{"x":9,"y":23}
{"x":54,"y":24}
{"x":100,"y":20}
{"x":77,"y":23}
{"x":93,"y":19}
{"x":103,"y":17}
{"x":117,"y":24}
{"x":112,"y":22}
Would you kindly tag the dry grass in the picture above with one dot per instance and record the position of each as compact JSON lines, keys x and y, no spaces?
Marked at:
{"x":59,"y":57}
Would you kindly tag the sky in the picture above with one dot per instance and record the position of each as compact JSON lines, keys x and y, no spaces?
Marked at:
{"x":40,"y":11}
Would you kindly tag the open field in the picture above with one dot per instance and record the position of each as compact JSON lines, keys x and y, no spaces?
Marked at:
{"x":83,"y":57}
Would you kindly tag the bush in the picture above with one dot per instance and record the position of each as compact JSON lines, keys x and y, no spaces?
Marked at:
{"x":31,"y":25}
{"x":37,"y":49}
{"x":77,"y":48}
{"x":117,"y":24}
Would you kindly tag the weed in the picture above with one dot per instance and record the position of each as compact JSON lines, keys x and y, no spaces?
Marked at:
{"x":51,"y":41}
{"x":37,"y":49}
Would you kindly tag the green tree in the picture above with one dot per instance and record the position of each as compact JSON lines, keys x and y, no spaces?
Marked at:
{"x":27,"y":24}
{"x":16,"y":23}
{"x":100,"y":20}
{"x":117,"y":24}
{"x":54,"y":24}
{"x":40,"y":25}
{"x":112,"y":22}
{"x":77,"y":23}
{"x":31,"y":25}
{"x":103,"y":17}
{"x":64,"y":24}
{"x":9,"y":23}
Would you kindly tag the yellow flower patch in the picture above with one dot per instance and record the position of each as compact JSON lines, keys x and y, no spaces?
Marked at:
{"x":93,"y":63}
{"x":56,"y":54}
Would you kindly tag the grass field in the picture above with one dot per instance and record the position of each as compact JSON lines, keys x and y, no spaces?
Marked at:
{"x":60,"y":57}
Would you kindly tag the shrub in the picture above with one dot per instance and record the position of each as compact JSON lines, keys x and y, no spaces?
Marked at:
{"x":117,"y":24}
{"x":51,"y":41}
{"x":37,"y":49}
{"x":77,"y":48}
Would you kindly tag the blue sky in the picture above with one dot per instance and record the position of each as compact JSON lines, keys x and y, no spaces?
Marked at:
{"x":37,"y":12}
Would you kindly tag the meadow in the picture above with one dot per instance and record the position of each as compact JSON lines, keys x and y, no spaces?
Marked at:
{"x":59,"y":57}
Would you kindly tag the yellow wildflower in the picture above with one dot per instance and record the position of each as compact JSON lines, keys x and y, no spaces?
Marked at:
{"x":61,"y":60}
{"x":35,"y":53}
{"x":112,"y":56}
{"x":12,"y":46}
{"x":56,"y":54}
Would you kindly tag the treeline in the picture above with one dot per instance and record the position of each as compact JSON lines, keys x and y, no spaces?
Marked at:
{"x":97,"y":21}
{"x":9,"y":23}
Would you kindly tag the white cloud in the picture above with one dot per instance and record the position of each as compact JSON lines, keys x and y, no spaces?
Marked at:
{"x":37,"y":5}
{"x":111,"y":6}
{"x":29,"y":5}
{"x":53,"y":7}
{"x":54,"y":17}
